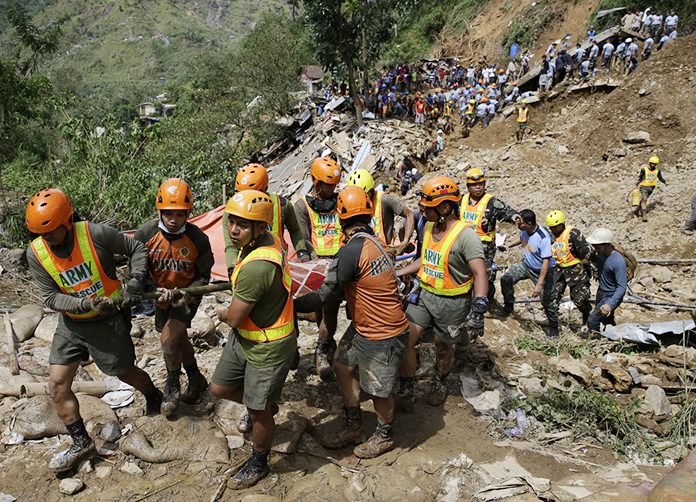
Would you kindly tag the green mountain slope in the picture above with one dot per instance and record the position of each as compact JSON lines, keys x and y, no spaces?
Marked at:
{"x":121,"y":51}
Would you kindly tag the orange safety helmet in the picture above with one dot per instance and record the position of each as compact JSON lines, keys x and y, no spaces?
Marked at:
{"x":48,"y":210}
{"x":515,"y":83}
{"x":251,"y":205}
{"x":325,"y":169}
{"x":484,"y":99}
{"x":174,"y":194}
{"x":501,"y":71}
{"x":353,"y":201}
{"x":438,"y":190}
{"x":494,"y":85}
{"x":251,"y":177}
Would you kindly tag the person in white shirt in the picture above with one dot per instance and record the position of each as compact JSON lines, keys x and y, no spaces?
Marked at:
{"x":607,"y":52}
{"x":656,"y":24}
{"x":671,"y":22}
{"x":619,"y":54}
{"x":647,"y":48}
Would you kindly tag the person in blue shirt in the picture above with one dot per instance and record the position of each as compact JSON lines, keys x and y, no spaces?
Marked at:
{"x":537,"y":265}
{"x":611,"y":266}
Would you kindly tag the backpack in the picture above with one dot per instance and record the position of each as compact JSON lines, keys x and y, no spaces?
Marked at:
{"x":631,"y":262}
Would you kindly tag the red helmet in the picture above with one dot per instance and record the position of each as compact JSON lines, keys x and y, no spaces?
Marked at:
{"x":48,"y":210}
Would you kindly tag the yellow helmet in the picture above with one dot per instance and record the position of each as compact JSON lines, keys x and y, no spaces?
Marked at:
{"x":361,"y":178}
{"x":251,"y":177}
{"x":251,"y":205}
{"x":554,"y":218}
{"x":474,"y":175}
{"x":654,"y":160}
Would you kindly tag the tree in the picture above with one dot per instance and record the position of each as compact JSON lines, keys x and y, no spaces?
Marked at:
{"x":351,"y":33}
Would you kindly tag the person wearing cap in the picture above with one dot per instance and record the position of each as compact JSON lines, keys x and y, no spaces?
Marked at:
{"x":386,"y":208}
{"x":522,"y":120}
{"x":571,"y":252}
{"x":647,"y":181}
{"x":440,"y":141}
{"x":178,"y":256}
{"x":611,"y":266}
{"x":73,"y":264}
{"x":538,"y":266}
{"x":370,"y":352}
{"x":319,"y":222}
{"x":468,"y":117}
{"x":262,"y":344}
{"x":453,"y":285}
{"x":482,"y":211}
{"x":255,"y":177}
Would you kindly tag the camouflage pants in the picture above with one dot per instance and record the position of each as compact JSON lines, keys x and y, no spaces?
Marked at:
{"x":578,"y":281}
{"x":489,"y":250}
{"x":519,"y":272}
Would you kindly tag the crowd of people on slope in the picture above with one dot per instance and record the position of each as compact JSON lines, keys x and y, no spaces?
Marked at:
{"x":447,"y":288}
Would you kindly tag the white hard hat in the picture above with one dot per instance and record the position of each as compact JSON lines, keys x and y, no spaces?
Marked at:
{"x":629,"y":40}
{"x":414,"y":171}
{"x":601,"y":236}
{"x":439,"y":131}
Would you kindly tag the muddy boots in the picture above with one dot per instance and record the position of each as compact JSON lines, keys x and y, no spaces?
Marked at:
{"x":381,"y":441}
{"x":405,"y":398}
{"x":153,"y":402}
{"x":340,"y":433}
{"x":438,"y":392}
{"x":197,"y":384}
{"x":255,"y":469}
{"x":82,"y":449}
{"x":172,"y":393}
{"x":323,"y":356}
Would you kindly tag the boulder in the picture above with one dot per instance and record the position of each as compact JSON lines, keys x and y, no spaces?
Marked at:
{"x":103,"y":471}
{"x":25,"y":320}
{"x":202,"y":326}
{"x":47,"y":328}
{"x":131,"y":468}
{"x":661,"y":274}
{"x":655,"y":401}
{"x":110,"y":432}
{"x":532,"y":387}
{"x":637,"y":137}
{"x":575,"y":368}
{"x":563,"y":150}
{"x":70,"y":486}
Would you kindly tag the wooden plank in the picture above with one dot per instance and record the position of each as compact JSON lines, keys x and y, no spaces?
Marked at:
{"x":9,"y":333}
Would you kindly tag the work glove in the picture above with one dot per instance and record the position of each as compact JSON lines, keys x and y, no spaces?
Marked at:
{"x":133,"y":292}
{"x":474,"y":321}
{"x":101,"y":304}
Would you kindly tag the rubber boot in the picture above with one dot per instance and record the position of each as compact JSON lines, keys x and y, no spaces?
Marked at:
{"x":438,"y":392}
{"x":380,"y":442}
{"x":172,"y":394}
{"x":197,"y":385}
{"x":255,"y":469}
{"x":340,"y":433}
{"x":553,"y":331}
{"x":323,"y":356}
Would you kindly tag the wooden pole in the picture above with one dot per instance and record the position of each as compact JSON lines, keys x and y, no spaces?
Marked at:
{"x":660,"y":261}
{"x":9,"y":333}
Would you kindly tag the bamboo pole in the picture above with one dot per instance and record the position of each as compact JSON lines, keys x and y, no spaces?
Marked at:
{"x":31,"y":389}
{"x":668,"y":261}
{"x":9,"y":333}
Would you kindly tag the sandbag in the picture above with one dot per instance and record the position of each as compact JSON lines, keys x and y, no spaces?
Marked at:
{"x":24,"y":321}
{"x":47,"y":328}
{"x":37,"y":418}
{"x":158,"y":440}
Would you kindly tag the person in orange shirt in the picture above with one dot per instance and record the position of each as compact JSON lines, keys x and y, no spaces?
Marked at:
{"x":370,"y":352}
{"x":179,"y":256}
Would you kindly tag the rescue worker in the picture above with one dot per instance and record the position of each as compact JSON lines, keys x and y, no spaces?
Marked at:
{"x":482,"y":211}
{"x":571,"y":252}
{"x":451,"y":266}
{"x":318,"y":220}
{"x":538,"y":266}
{"x":73,"y":265}
{"x":255,"y":177}
{"x":179,"y":256}
{"x":370,"y":353}
{"x":613,"y":279}
{"x":262,"y":344}
{"x":386,"y":207}
{"x":647,"y":181}
{"x":522,"y":120}
{"x":469,"y":112}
